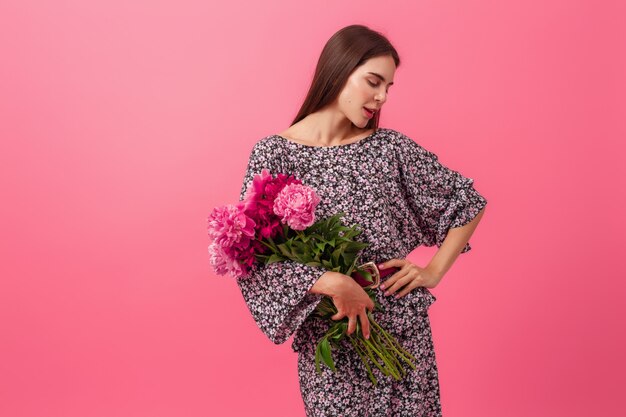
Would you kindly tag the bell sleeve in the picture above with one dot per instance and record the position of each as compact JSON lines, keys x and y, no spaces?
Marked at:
{"x":438,"y":197}
{"x":277,"y":294}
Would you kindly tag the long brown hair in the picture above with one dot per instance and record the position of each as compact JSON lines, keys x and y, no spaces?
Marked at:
{"x":346,"y":50}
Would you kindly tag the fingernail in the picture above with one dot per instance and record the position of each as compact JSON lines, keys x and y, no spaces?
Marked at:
{"x":387,"y":293}
{"x":381,"y":266}
{"x":382,"y":286}
{"x":397,"y":296}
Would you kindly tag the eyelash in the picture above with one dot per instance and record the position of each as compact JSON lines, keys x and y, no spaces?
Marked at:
{"x":375,"y":85}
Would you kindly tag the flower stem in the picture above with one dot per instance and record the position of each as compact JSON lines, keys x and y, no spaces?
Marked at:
{"x":384,"y":343}
{"x":399,"y":349}
{"x":267,"y":244}
{"x":381,"y":348}
{"x":386,"y":367}
{"x":364,"y":360}
{"x":386,"y":355}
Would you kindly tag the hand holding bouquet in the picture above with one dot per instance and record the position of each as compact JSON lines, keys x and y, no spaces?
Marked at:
{"x":276,"y":222}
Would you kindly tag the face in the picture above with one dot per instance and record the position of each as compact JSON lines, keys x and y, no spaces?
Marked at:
{"x":367,"y":87}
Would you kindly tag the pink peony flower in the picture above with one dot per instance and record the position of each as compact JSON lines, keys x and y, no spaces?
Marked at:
{"x":265,"y":187}
{"x":229,"y":225}
{"x":295,"y":205}
{"x":245,"y":252}
{"x":256,"y":189}
{"x":259,"y":202}
{"x":236,"y":230}
{"x":267,"y":223}
{"x":223,"y":263}
{"x":234,"y":240}
{"x":273,"y":188}
{"x":235,"y":260}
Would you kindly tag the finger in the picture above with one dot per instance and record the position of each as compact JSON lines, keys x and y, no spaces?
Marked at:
{"x":399,"y":283}
{"x":408,"y":288}
{"x":365,"y":324}
{"x":392,"y":262}
{"x":351,"y":325}
{"x":391,"y":280}
{"x":338,"y":316}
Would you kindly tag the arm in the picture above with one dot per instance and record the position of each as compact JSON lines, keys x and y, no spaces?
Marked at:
{"x":325,"y":285}
{"x":451,"y":248}
{"x":277,"y":294}
{"x":444,"y":210}
{"x":429,"y":277}
{"x":445,"y":205}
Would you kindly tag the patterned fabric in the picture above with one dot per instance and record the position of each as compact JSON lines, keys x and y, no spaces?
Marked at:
{"x":402,"y":197}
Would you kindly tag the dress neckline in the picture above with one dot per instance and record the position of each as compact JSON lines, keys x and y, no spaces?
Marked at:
{"x":366,"y":138}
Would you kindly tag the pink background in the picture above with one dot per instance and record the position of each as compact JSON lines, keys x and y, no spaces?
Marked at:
{"x":124,"y":123}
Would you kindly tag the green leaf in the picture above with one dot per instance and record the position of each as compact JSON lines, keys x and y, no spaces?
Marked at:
{"x":335,"y":256}
{"x":274,"y":258}
{"x":367,"y":275}
{"x":300,"y":248}
{"x":285,"y":249}
{"x":326,"y":354}
{"x":337,"y":336}
{"x":318,"y":356}
{"x":327,"y":264}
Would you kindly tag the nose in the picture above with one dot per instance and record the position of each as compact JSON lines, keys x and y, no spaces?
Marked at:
{"x":381,"y":96}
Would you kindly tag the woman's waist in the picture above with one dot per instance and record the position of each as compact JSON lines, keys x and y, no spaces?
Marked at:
{"x":394,"y":314}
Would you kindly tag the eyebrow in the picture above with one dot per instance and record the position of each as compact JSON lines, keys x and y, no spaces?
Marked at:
{"x":380,"y":76}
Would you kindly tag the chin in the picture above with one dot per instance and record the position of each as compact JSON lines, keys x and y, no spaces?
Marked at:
{"x":360,"y":123}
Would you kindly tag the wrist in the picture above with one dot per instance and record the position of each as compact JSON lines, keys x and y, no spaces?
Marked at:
{"x":436,"y":272}
{"x":326,"y":284}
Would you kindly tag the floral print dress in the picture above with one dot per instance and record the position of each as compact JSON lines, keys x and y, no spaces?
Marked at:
{"x":402,"y":197}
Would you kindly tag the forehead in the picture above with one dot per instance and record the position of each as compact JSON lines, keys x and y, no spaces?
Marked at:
{"x":382,"y":65}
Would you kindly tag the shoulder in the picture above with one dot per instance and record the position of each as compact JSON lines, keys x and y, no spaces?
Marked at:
{"x":403,"y":144}
{"x":266,"y":152}
{"x":266,"y":144}
{"x":396,"y":137}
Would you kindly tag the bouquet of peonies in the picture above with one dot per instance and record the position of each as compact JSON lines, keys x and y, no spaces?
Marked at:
{"x":276,"y":222}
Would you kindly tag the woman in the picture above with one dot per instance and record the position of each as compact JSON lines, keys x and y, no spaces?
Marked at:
{"x":399,"y":194}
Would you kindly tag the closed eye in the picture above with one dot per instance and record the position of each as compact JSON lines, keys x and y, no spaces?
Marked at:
{"x":376,"y":85}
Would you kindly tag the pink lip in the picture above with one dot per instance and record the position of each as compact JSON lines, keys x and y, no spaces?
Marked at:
{"x":368,"y":114}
